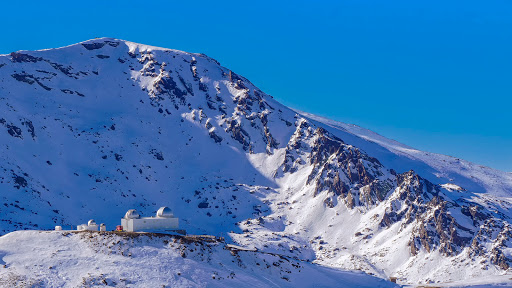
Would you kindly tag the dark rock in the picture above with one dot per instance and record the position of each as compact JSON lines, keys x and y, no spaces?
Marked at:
{"x":187,"y":86}
{"x":166,"y":85}
{"x":30,"y":128}
{"x":66,"y":70}
{"x":14,"y":131}
{"x":215,"y":137}
{"x":29,"y":79}
{"x":239,"y":134}
{"x":157,"y":154}
{"x":21,"y":57}
{"x":94,"y":46}
{"x":19,"y":181}
{"x":203,"y":87}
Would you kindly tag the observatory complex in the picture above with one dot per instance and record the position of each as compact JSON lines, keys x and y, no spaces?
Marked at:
{"x":164,"y":220}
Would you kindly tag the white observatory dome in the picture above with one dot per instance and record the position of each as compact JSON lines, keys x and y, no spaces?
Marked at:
{"x":132,"y":214}
{"x":164,"y":212}
{"x":91,"y":222}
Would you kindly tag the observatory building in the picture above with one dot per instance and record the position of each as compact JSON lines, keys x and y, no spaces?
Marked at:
{"x":164,"y":220}
{"x":91,"y":226}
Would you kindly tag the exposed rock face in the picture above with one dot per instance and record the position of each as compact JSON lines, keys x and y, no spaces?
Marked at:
{"x":341,"y":169}
{"x":125,"y":125}
{"x":356,"y":179}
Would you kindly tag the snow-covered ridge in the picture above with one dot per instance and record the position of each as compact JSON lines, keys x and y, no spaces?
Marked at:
{"x":482,"y":178}
{"x":90,"y":259}
{"x":95,"y":128}
{"x":106,"y":40}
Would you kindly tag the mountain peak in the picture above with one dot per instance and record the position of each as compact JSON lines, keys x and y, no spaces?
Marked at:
{"x":106,"y":125}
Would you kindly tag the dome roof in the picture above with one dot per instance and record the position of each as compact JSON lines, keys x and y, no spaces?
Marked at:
{"x":132,"y":214}
{"x":91,"y":222}
{"x":164,"y":212}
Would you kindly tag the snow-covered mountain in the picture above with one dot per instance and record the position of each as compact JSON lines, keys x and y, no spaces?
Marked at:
{"x":86,"y":259}
{"x":93,"y":129}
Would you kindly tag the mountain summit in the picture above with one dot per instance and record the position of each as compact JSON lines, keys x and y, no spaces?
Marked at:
{"x":93,"y":129}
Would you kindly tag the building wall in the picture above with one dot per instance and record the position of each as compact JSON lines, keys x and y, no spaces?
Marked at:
{"x":83,"y":227}
{"x":142,"y":224}
{"x":92,"y":227}
{"x":126,"y":224}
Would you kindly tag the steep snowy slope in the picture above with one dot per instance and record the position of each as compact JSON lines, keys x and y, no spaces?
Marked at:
{"x":93,"y":129}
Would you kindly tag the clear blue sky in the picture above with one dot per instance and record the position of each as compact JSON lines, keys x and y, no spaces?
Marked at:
{"x":436,"y":75}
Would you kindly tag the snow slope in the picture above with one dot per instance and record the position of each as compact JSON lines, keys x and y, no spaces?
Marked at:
{"x":99,"y":127}
{"x":86,"y":259}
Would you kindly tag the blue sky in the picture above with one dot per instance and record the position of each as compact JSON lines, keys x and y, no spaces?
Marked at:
{"x":435,"y":75}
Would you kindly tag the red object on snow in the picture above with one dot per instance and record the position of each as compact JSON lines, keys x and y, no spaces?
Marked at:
{"x":119,"y":228}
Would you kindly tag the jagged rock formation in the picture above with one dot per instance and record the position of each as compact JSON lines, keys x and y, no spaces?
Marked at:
{"x":105,"y":125}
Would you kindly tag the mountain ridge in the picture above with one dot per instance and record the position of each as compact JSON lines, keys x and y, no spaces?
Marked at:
{"x":105,"y":125}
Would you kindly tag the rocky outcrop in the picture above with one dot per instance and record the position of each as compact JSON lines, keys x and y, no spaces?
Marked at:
{"x":340,"y":169}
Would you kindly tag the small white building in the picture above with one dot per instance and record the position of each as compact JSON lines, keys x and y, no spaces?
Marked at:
{"x":164,"y":220}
